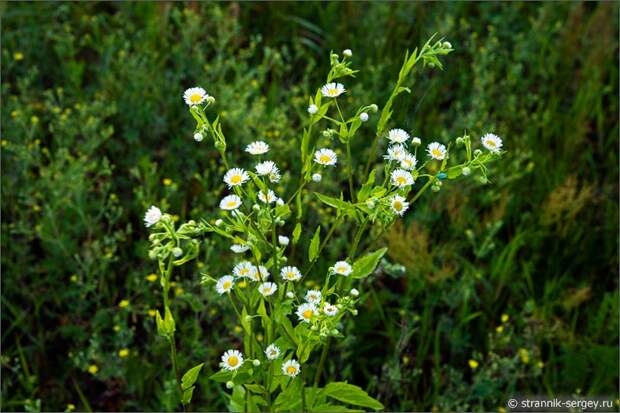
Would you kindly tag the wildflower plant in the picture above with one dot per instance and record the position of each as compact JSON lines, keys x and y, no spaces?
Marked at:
{"x":284,"y":371}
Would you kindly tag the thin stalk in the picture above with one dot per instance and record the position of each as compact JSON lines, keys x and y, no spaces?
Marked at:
{"x":319,"y":370}
{"x":303,"y":391}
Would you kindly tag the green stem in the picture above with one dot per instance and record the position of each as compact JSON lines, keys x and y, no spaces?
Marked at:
{"x":303,"y":391}
{"x":350,"y":162}
{"x":319,"y":370}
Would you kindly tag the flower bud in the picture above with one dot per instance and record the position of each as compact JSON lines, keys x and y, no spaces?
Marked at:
{"x":177,"y":252}
{"x":256,"y":362}
{"x":435,"y":188}
{"x":354,"y":312}
{"x":312,"y":109}
{"x":447,"y":45}
{"x":347,"y":52}
{"x":314,"y":328}
{"x":290,"y":294}
{"x":210,"y":100}
{"x":256,"y":207}
{"x":335,"y":332}
{"x":477,"y":152}
{"x":373,"y":108}
{"x":370,"y":203}
{"x":152,"y":255}
{"x":218,"y":222}
{"x":230,"y":384}
{"x":280,"y":222}
{"x":483,"y":179}
{"x":416,"y":141}
{"x":363,"y":116}
{"x":354,"y":292}
{"x":316,"y":177}
{"x":198,"y":137}
{"x":459,"y":141}
{"x":466,"y":171}
{"x":283,"y":240}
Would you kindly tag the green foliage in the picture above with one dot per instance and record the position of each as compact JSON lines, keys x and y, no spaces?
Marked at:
{"x":93,"y":132}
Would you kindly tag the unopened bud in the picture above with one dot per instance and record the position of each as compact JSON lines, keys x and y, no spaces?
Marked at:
{"x":363,"y":116}
{"x":256,"y":362}
{"x":354,"y":292}
{"x":177,"y":252}
{"x":317,"y":177}
{"x":230,"y":384}
{"x":373,"y":108}
{"x":354,"y":312}
{"x":290,"y":294}
{"x":210,"y":100}
{"x":466,"y":171}
{"x":416,"y":141}
{"x":256,"y":207}
{"x":347,"y":52}
{"x":459,"y":141}
{"x":198,"y":137}
{"x":218,"y":222}
{"x":312,"y":109}
{"x":477,"y":152}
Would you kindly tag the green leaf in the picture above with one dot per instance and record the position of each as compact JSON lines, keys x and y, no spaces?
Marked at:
{"x":454,"y":172}
{"x":313,"y":251}
{"x":187,"y":395}
{"x":364,"y":191}
{"x":189,"y":378}
{"x":296,"y":233}
{"x":336,"y":408}
{"x":367,"y":264}
{"x":335,"y":202}
{"x":348,"y":393}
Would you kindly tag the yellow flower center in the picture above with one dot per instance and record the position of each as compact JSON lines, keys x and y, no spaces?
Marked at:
{"x":195,"y":98}
{"x":226,"y":285}
{"x":290,"y":275}
{"x":233,"y":361}
{"x":401,"y":180}
{"x":333,"y":92}
{"x":244,"y":271}
{"x":307,"y":314}
{"x":436,"y":153}
{"x":398,"y":205}
{"x":231,"y":204}
{"x":324,"y":158}
{"x":291,"y":370}
{"x":266,"y":290}
{"x":491,"y":143}
{"x":235,"y":179}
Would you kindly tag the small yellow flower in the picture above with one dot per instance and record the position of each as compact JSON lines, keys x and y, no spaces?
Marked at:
{"x":71,"y":407}
{"x":152,"y":312}
{"x":473,"y":364}
{"x":18,"y":56}
{"x":151,"y":277}
{"x":124,"y":352}
{"x":167,"y":181}
{"x":524,"y":355}
{"x":238,"y":329}
{"x":499,"y":329}
{"x":93,"y":369}
{"x":123,"y":303}
{"x":74,"y":278}
{"x":505,"y":318}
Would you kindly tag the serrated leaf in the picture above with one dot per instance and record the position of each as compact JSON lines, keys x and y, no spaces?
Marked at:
{"x":348,"y":393}
{"x":313,"y":250}
{"x":367,"y":264}
{"x":189,"y":378}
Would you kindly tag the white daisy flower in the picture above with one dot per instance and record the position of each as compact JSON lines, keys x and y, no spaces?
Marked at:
{"x":343,"y":268}
{"x":398,"y":136}
{"x":231,"y":360}
{"x":325,"y":157}
{"x":263,"y":272}
{"x":268,"y":288}
{"x":436,"y":151}
{"x":306,"y":311}
{"x":244,"y":269}
{"x":235,"y":177}
{"x":332,"y":90}
{"x":408,"y":162}
{"x":195,"y":96}
{"x":239,"y":249}
{"x":291,"y":368}
{"x":272,"y":352}
{"x":314,"y":297}
{"x":399,"y":205}
{"x":152,"y":216}
{"x":224,"y":284}
{"x":401,"y":178}
{"x":492,"y":142}
{"x":396,"y":153}
{"x":269,"y":198}
{"x":363,"y":116}
{"x":317,"y":177}
{"x":330,"y":309}
{"x":312,"y":109}
{"x":257,"y":148}
{"x":282,"y":240}
{"x":265,"y":168}
{"x":290,"y":273}
{"x":230,"y":202}
{"x":274,"y":176}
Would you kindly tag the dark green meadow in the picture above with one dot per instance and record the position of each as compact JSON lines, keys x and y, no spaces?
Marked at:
{"x":488,"y":290}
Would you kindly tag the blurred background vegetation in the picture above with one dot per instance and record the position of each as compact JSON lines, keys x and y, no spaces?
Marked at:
{"x":487,"y":291}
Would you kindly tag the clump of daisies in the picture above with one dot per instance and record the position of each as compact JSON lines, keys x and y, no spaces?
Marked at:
{"x":267,"y":259}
